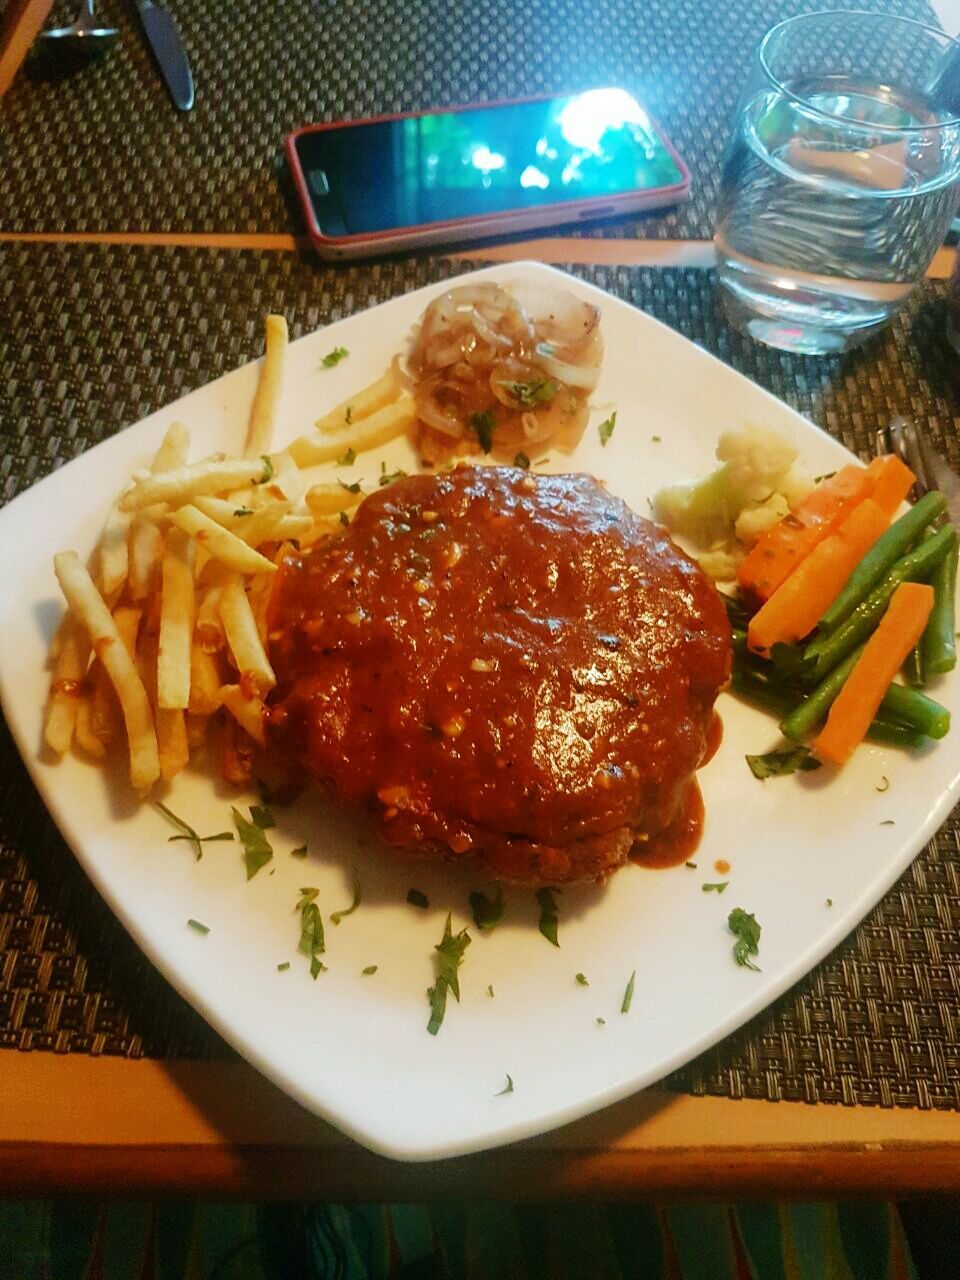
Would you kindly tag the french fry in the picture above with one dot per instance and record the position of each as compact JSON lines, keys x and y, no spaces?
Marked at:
{"x":66,"y":685}
{"x":328,"y":499}
{"x":225,"y":511}
{"x":174,"y":449}
{"x":183,"y":483}
{"x":243,"y":639}
{"x":362,"y":404}
{"x":248,"y":712}
{"x":197,"y":727}
{"x":220,"y":543}
{"x":380,"y":427}
{"x":146,"y":556}
{"x":105,"y":716}
{"x":112,"y":552}
{"x":89,"y":608}
{"x":287,"y":476}
{"x":172,"y":743}
{"x":86,"y":738}
{"x":237,"y":750}
{"x":177,"y":606}
{"x":206,"y":677}
{"x":269,"y":523}
{"x":209,"y":633}
{"x":263,"y":412}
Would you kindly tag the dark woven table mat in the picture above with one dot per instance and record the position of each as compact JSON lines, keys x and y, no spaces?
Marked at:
{"x":101,"y":148}
{"x":101,"y":336}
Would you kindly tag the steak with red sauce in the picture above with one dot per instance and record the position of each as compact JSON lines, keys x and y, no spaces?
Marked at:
{"x":499,"y":665}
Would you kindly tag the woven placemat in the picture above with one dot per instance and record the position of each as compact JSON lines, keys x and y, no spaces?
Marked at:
{"x":106,"y":335}
{"x":101,"y":147}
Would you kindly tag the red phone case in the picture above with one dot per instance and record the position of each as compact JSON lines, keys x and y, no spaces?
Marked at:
{"x":478,"y":226}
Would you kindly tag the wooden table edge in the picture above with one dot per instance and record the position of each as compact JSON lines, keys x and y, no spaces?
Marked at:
{"x":78,"y":1124}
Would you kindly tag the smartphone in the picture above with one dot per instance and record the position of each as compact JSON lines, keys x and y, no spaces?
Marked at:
{"x":432,"y":177}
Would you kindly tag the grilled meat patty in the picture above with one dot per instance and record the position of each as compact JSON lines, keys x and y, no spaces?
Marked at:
{"x":500,"y":665}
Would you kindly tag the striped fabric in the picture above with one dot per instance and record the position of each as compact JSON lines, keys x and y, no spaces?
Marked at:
{"x":170,"y":1241}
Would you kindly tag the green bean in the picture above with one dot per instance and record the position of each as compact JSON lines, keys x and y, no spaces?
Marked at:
{"x":762,"y":693}
{"x":909,"y":708}
{"x":895,"y":735}
{"x":826,"y":651}
{"x":888,"y":548}
{"x":938,"y":643}
{"x":915,"y":709}
{"x":913,"y":671}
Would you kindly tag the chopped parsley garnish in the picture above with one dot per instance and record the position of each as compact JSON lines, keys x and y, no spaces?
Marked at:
{"x":262,"y":816}
{"x":282,"y":968}
{"x":829,"y":902}
{"x":827,"y":475}
{"x":370,"y":969}
{"x":487,"y":912}
{"x":548,"y":915}
{"x":200,"y":928}
{"x":299,"y":852}
{"x":278,"y":797}
{"x":348,"y":459}
{"x":312,"y":942}
{"x":350,"y":488}
{"x":628,"y":994}
{"x":776,"y":764}
{"x":449,"y":951}
{"x":483,"y":424}
{"x":268,"y":472}
{"x":344,"y":519}
{"x":885,"y":785}
{"x":257,"y":850}
{"x":601,"y":1022}
{"x":188,"y":832}
{"x":337,"y":916}
{"x":717,"y":887}
{"x":744,"y":927}
{"x":521,"y":460}
{"x":691,"y":865}
{"x":533,"y":393}
{"x":418,"y":899}
{"x":581,"y":980}
{"x":348,"y":416}
{"x":333,"y":358}
{"x":388,"y":477}
{"x":507,"y":1088}
{"x":606,"y":428}
{"x":490,"y":991}
{"x":888,"y":822}
{"x":243,"y":511}
{"x":656,"y":439}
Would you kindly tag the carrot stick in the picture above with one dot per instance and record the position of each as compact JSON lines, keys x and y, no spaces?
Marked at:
{"x":781,"y":548}
{"x":899,"y":630}
{"x":893,"y":481}
{"x":797,"y":605}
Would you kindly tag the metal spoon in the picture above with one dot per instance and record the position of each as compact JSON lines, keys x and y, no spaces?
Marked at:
{"x":83,"y":34}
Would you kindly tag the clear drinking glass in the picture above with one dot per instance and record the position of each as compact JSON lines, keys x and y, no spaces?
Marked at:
{"x":840,"y":180}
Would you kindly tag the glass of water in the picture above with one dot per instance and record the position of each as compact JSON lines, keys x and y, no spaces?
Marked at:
{"x":840,"y":180}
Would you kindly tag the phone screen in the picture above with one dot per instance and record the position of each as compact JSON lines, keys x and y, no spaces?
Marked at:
{"x":458,"y":164}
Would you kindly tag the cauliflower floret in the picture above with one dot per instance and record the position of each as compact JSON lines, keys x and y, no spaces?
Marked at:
{"x":796,"y":484}
{"x":700,"y":509}
{"x":753,"y":521}
{"x":757,"y":459}
{"x":720,"y":563}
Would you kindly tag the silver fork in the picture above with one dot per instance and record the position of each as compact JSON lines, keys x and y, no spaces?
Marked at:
{"x":905,"y":439}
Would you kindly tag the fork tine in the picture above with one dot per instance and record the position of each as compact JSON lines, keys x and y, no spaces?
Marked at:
{"x":907,"y":445}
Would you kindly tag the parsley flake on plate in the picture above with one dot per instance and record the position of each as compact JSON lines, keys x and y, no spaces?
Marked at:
{"x":337,"y":916}
{"x":188,"y":832}
{"x":268,"y":471}
{"x":487,"y":912}
{"x":507,"y":1088}
{"x":333,"y":358}
{"x":601,"y":1022}
{"x":282,"y":968}
{"x":262,"y":816}
{"x":743,"y":925}
{"x":312,"y":941}
{"x":198,"y":926}
{"x":548,"y":915}
{"x":350,"y":488}
{"x":628,"y":994}
{"x":418,"y":899}
{"x":348,"y":459}
{"x":449,"y":951}
{"x":606,"y":428}
{"x":717,"y":887}
{"x":369,"y":970}
{"x":257,"y":850}
{"x":777,"y":764}
{"x":490,"y":991}
{"x":581,"y":980}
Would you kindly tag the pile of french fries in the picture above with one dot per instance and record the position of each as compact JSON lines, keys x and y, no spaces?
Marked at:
{"x":165,"y":632}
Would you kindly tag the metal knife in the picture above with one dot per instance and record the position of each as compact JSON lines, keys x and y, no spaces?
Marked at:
{"x":164,"y":39}
{"x":931,"y":469}
{"x":944,"y":478}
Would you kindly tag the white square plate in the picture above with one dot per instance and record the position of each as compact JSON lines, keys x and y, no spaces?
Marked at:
{"x":354,"y":1048}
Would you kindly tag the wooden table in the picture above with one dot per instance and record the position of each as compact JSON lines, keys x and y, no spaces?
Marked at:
{"x":116,"y":1127}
